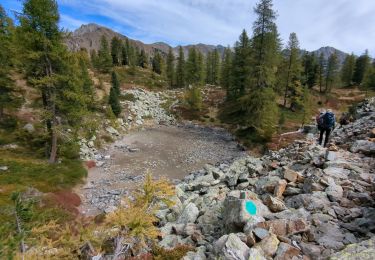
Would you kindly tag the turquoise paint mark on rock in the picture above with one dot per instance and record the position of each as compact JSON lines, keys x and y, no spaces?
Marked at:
{"x":251,"y":208}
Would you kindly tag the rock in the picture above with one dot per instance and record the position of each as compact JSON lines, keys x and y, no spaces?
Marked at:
{"x":362,"y":251}
{"x":331,"y":156}
{"x":286,"y":252}
{"x":170,"y":241}
{"x":189,"y":214}
{"x":328,"y":235}
{"x":4,"y":168}
{"x":29,"y":128}
{"x":268,"y":245}
{"x":280,"y":188}
{"x":236,"y":216}
{"x":297,"y":226}
{"x":256,"y":254}
{"x":112,"y":131}
{"x":198,"y":255}
{"x":275,"y":204}
{"x":230,"y":247}
{"x":363,"y":146}
{"x":261,"y":233}
{"x":290,"y":175}
{"x":311,"y":250}
{"x":334,"y":192}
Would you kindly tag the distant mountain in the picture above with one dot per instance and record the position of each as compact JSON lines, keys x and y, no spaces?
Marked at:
{"x":328,"y":51}
{"x":88,"y":37}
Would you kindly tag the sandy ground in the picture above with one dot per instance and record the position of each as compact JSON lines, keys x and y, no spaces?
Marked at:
{"x":171,"y":151}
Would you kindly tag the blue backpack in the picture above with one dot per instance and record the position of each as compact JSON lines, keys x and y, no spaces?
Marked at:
{"x":328,"y":120}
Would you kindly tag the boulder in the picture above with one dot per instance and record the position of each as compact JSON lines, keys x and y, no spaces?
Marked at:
{"x":363,"y":146}
{"x":286,"y":252}
{"x":198,"y":255}
{"x":170,"y":241}
{"x":230,"y":247}
{"x":268,"y":245}
{"x":112,"y":131}
{"x":334,"y":192}
{"x":29,"y":128}
{"x":280,"y":188}
{"x":189,"y":214}
{"x":290,"y":175}
{"x":256,"y":254}
{"x":275,"y":204}
{"x":236,"y":216}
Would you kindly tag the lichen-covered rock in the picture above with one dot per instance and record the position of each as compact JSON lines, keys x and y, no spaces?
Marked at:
{"x":230,"y":247}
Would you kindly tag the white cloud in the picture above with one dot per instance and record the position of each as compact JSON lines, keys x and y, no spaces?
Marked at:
{"x":344,"y":24}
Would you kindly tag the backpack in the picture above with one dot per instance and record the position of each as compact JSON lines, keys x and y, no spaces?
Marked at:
{"x":319,"y":120}
{"x":328,"y":120}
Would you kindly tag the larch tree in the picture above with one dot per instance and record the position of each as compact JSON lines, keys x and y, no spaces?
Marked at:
{"x":115,"y":83}
{"x":180,"y":69}
{"x":50,"y":67}
{"x":347,"y":70}
{"x":369,"y":78}
{"x":170,"y":68}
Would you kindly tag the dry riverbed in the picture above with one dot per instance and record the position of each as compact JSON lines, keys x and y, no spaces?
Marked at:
{"x":170,"y":151}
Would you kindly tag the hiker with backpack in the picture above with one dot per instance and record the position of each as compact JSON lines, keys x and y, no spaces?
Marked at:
{"x":326,"y":123}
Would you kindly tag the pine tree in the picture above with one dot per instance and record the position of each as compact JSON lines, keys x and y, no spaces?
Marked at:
{"x":321,"y":71}
{"x":94,"y":59}
{"x":310,"y":67}
{"x":6,"y":59}
{"x":124,"y":55}
{"x":170,"y":68}
{"x":361,"y":65}
{"x":104,"y":55}
{"x":265,"y":46}
{"x":87,"y":83}
{"x":241,"y":67}
{"x":115,"y":83}
{"x":293,"y":74}
{"x":226,"y":69}
{"x":261,"y":110}
{"x":180,"y":69}
{"x":331,"y":72}
{"x":369,"y":78}
{"x":50,"y":67}
{"x":114,"y":93}
{"x":157,"y":63}
{"x":142,"y":59}
{"x":213,"y":67}
{"x":194,"y":67}
{"x":200,"y":68}
{"x":347,"y":70}
{"x":116,"y":51}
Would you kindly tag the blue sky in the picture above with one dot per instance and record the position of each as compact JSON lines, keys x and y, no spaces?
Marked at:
{"x":345,"y":24}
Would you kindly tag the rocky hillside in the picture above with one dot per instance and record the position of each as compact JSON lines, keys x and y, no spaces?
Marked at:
{"x":302,"y":202}
{"x":88,"y":36}
{"x":328,"y":51}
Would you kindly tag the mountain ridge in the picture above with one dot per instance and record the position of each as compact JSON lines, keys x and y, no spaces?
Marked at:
{"x":88,"y":36}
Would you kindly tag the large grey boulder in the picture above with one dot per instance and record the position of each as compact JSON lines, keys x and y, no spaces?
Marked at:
{"x":363,"y":146}
{"x":230,"y":247}
{"x":189,"y":214}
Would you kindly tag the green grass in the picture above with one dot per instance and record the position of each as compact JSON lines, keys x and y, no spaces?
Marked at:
{"x":141,"y":77}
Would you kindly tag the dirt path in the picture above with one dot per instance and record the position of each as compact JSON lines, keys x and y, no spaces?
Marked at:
{"x":171,"y":151}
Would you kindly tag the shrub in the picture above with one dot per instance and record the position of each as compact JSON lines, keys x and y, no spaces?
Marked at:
{"x":193,"y":98}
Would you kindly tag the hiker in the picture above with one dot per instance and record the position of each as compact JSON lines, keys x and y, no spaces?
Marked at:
{"x":326,"y":123}
{"x":319,"y":119}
